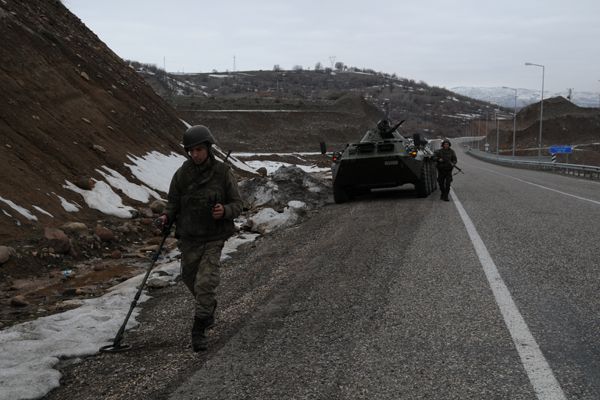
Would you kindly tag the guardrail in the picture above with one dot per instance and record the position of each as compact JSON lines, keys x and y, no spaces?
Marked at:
{"x":581,"y":171}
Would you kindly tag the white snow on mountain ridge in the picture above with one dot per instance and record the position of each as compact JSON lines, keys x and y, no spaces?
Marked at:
{"x":505,"y":97}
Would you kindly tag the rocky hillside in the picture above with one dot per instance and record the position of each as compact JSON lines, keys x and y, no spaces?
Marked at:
{"x":430,"y":111}
{"x":69,"y":105}
{"x":505,"y":97}
{"x":319,"y":106}
{"x":564,"y":124}
{"x":289,"y":127}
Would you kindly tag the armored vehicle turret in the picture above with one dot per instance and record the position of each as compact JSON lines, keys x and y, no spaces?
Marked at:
{"x":383,"y":159}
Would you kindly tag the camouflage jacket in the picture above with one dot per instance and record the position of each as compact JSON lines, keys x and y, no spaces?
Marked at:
{"x":446,"y":158}
{"x":194,"y":190}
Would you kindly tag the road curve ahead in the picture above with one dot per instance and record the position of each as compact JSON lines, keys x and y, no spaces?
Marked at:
{"x":493,"y":295}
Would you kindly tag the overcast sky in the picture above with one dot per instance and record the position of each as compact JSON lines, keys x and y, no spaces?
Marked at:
{"x":443,"y":43}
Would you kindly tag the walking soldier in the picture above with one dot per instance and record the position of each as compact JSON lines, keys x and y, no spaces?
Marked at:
{"x":203,"y":200}
{"x":446,"y":161}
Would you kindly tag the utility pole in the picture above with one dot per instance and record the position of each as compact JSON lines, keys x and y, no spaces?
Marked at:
{"x":234,"y":63}
{"x":332,"y":61}
{"x":479,"y":132}
{"x":497,"y":134}
{"x":514,"y":124}
{"x":541,"y":106}
{"x":165,"y":69}
{"x":487,"y":129}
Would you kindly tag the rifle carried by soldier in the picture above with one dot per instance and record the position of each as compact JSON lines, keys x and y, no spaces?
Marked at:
{"x":458,"y":169}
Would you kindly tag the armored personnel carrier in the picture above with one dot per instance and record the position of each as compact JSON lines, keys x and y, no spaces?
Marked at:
{"x":383,"y":159}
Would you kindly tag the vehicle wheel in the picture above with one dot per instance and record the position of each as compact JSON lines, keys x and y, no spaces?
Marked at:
{"x":340,"y":195}
{"x":427,"y":176}
{"x":421,"y":189}
{"x":422,"y":185}
{"x":432,"y":177}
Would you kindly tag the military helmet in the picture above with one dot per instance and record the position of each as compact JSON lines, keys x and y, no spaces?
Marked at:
{"x":446,"y":141}
{"x":195,"y":135}
{"x":383,"y":125}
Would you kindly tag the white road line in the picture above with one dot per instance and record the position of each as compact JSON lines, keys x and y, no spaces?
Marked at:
{"x":541,"y":186}
{"x":540,"y":375}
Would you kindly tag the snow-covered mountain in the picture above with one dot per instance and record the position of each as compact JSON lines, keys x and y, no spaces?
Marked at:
{"x":505,"y":97}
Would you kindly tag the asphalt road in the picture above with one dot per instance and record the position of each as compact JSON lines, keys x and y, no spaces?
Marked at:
{"x":388,"y":297}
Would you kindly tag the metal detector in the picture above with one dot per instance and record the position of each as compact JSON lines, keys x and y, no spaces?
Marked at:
{"x":116,"y":345}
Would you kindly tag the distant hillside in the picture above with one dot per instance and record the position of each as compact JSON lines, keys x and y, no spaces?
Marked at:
{"x":564,"y":124}
{"x":286,"y":126}
{"x":432,"y":111}
{"x":219,"y":98}
{"x":69,"y":105}
{"x":505,"y":97}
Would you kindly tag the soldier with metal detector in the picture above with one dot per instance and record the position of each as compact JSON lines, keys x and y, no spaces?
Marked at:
{"x":446,"y":162}
{"x":203,"y":200}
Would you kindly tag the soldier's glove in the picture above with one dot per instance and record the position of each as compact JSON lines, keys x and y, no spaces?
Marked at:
{"x":163,"y":224}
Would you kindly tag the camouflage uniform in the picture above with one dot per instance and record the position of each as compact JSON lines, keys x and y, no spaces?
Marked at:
{"x":446,"y":159}
{"x":194,"y":190}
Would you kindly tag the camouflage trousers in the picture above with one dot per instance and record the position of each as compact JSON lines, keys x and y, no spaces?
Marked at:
{"x":444,"y":180}
{"x":200,"y":265}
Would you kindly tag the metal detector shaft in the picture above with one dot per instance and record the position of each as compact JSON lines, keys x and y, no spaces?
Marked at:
{"x":116,"y":345}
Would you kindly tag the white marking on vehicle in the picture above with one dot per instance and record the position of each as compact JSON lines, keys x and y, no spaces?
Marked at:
{"x":540,"y":375}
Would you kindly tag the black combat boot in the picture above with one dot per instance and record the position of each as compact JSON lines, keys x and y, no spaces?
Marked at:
{"x":210,"y":321}
{"x":442,"y":190}
{"x":199,"y":340}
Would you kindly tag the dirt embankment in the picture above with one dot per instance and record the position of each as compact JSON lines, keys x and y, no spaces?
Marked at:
{"x":69,"y":105}
{"x":288,"y":127}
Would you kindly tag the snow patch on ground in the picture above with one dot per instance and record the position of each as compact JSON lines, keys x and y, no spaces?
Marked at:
{"x":272,"y":166}
{"x":102,"y":198}
{"x":156,"y":169}
{"x":131,"y":190}
{"x":267,"y":219}
{"x":21,"y":210}
{"x":66,"y":205}
{"x":41,"y":210}
{"x":233,"y":243}
{"x":264,"y":194}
